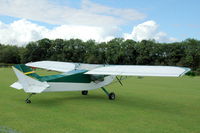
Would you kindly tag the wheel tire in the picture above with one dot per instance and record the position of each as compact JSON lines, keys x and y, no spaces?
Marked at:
{"x":28,"y":101}
{"x":84,"y":92}
{"x":111,"y":96}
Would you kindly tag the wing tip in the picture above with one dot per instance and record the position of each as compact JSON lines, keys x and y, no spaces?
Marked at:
{"x":186,"y":71}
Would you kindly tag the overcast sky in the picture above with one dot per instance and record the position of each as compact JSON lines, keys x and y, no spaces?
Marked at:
{"x":22,"y":21}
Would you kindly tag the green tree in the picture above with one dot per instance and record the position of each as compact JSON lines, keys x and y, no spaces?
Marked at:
{"x":9,"y":54}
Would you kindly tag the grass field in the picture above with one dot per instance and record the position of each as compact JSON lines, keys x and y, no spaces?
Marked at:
{"x":148,"y":105}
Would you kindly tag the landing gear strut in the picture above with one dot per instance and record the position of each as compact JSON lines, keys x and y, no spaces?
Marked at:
{"x":84,"y":92}
{"x":28,"y":98}
{"x":111,"y":95}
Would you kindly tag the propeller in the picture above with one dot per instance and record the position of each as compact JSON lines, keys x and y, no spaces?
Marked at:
{"x":119,"y":80}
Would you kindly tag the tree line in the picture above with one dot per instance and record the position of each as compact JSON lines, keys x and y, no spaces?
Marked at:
{"x":116,"y":51}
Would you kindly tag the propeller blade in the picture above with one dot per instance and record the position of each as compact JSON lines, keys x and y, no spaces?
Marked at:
{"x":119,"y":81}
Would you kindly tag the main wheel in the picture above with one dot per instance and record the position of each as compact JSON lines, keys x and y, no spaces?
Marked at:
{"x":111,"y":96}
{"x":84,"y":92}
{"x":28,"y":101}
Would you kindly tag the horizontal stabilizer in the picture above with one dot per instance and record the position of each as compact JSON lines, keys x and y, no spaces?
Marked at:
{"x":16,"y":85}
{"x":29,"y":84}
{"x":139,"y":70}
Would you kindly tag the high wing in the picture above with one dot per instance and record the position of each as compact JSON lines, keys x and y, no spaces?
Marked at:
{"x":123,"y":70}
{"x":53,"y":65}
{"x":62,"y":66}
{"x":140,"y":70}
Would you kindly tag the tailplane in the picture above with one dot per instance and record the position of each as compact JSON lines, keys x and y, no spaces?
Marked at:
{"x":28,"y":80}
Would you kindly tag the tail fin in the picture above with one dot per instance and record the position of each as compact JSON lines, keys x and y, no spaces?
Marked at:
{"x":27,"y":70}
{"x":28,"y":80}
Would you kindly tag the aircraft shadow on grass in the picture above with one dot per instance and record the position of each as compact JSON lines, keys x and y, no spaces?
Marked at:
{"x":128,"y":103}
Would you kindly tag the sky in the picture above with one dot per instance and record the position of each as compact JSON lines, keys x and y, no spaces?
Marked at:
{"x":23,"y":21}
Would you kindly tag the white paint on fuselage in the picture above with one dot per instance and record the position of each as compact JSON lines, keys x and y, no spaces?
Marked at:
{"x":68,"y":86}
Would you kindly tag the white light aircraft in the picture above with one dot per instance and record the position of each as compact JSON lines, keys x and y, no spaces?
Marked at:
{"x":82,"y":77}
